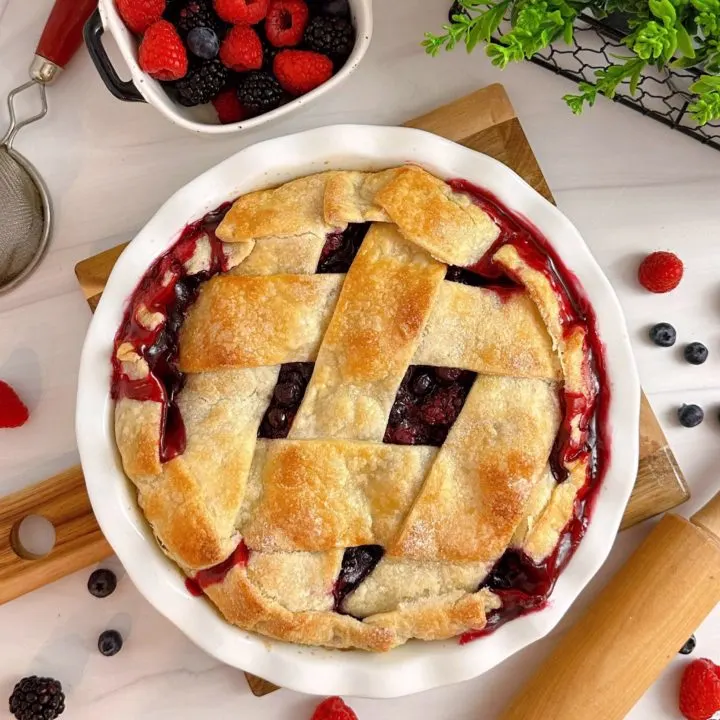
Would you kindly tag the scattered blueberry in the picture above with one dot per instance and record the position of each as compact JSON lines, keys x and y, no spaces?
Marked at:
{"x":102,"y":582}
{"x":37,"y":698}
{"x":695,"y":353}
{"x":663,"y":334}
{"x":203,"y":42}
{"x":689,"y":646}
{"x":690,"y":415}
{"x":110,"y":643}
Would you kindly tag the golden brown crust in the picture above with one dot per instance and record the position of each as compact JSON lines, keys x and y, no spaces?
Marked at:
{"x":137,"y":433}
{"x":429,"y":213}
{"x":379,"y":317}
{"x":474,"y":495}
{"x":350,"y":197}
{"x":249,"y":322}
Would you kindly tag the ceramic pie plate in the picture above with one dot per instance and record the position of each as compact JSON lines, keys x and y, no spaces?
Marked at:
{"x":416,"y":666}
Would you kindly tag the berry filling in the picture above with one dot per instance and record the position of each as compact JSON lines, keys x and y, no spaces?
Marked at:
{"x":286,"y":399}
{"x":168,"y":289}
{"x":427,"y":404}
{"x":341,"y":248}
{"x":217,"y":573}
{"x":357,"y":564}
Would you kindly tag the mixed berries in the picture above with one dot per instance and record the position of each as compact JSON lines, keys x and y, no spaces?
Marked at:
{"x":265,"y":52}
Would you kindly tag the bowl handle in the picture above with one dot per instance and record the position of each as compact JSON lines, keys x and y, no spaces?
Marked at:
{"x":121,"y":89}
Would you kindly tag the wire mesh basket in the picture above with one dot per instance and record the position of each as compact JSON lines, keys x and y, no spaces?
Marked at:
{"x":661,"y":95}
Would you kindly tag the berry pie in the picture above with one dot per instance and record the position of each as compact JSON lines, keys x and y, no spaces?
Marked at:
{"x":361,"y":408}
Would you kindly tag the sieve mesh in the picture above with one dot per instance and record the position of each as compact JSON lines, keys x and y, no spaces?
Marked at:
{"x":22,"y":218}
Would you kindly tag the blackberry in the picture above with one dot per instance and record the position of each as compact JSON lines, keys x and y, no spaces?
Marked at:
{"x":37,"y":698}
{"x":187,"y":16}
{"x":259,"y":91}
{"x":332,"y":36}
{"x":102,"y":582}
{"x":202,"y":83}
{"x":269,"y":50}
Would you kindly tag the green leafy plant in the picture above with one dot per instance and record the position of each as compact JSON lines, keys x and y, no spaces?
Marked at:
{"x":663,"y":34}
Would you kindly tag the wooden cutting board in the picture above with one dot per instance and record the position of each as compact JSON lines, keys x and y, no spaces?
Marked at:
{"x":484,"y":120}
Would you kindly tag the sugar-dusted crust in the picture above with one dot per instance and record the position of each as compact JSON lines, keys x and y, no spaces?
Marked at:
{"x":434,"y":520}
{"x":295,"y":208}
{"x":428,"y":212}
{"x":256,"y":321}
{"x":383,"y":306}
{"x":318,"y":495}
{"x":475,"y":493}
{"x":490,"y":332}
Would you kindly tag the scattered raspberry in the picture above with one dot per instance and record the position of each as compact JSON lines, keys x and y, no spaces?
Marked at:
{"x":241,"y":50}
{"x":139,"y":15}
{"x":242,"y":11}
{"x":300,"y":71}
{"x":286,"y":22}
{"x":700,"y":690}
{"x":228,"y":107}
{"x":162,"y":53}
{"x":660,"y":272}
{"x":13,"y":412}
{"x":333,"y":709}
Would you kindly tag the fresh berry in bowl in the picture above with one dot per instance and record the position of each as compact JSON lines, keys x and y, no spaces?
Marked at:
{"x":270,"y":53}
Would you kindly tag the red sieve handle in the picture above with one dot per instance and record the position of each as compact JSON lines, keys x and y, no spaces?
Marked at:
{"x":63,"y":31}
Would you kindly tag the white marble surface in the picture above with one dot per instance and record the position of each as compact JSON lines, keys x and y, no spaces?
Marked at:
{"x":629,"y":184}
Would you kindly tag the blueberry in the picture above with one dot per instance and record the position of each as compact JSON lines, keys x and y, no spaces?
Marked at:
{"x":448,"y":376}
{"x":695,"y":353}
{"x":690,"y":415}
{"x":110,"y":643}
{"x":277,"y":418}
{"x":663,"y":334}
{"x":339,"y":8}
{"x":203,"y":42}
{"x":689,"y":646}
{"x":287,"y":394}
{"x":102,"y":582}
{"x":422,"y":384}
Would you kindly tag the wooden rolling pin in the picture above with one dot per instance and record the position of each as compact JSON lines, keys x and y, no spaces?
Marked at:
{"x":601,"y":667}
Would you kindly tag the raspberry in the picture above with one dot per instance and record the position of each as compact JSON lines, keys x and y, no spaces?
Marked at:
{"x":228,"y":107}
{"x":286,"y":22}
{"x":241,"y":49}
{"x":242,"y":11}
{"x":162,"y":53}
{"x":700,"y":690}
{"x":333,"y":709}
{"x":139,"y":15}
{"x":660,"y":272}
{"x":300,"y":71}
{"x":13,"y":412}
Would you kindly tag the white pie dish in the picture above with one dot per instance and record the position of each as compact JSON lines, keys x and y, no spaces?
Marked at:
{"x":416,"y":666}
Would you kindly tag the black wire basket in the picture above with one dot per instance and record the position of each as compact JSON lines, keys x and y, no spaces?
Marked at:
{"x":661,"y":94}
